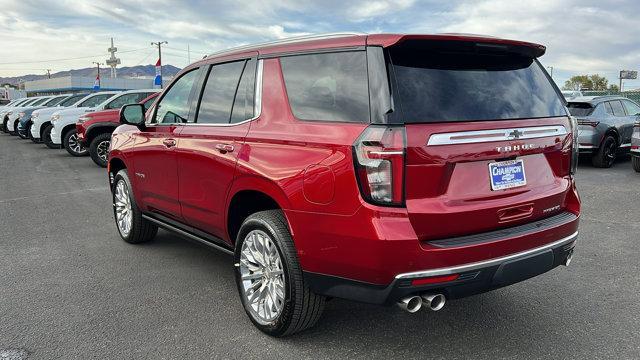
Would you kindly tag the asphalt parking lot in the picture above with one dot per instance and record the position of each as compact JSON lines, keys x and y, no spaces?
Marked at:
{"x":71,"y":289}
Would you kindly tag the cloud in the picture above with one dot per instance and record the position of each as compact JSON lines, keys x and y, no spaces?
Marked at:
{"x":585,"y":36}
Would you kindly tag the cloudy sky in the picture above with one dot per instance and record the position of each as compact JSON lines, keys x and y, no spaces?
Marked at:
{"x":582,"y":36}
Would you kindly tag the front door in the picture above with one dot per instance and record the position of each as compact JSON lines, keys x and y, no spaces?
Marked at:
{"x":208,"y":150}
{"x":155,"y":162}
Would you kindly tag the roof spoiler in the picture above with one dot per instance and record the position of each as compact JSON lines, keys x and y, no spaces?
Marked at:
{"x":461,"y":42}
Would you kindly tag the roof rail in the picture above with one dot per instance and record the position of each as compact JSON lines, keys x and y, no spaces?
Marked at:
{"x":290,"y":40}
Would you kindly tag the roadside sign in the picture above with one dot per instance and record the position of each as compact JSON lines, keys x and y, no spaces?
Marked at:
{"x":628,"y":74}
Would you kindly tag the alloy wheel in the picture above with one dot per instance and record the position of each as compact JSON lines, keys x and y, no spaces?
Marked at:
{"x":103,"y":150}
{"x":122,"y":206}
{"x":262,"y":274}
{"x":75,"y":145}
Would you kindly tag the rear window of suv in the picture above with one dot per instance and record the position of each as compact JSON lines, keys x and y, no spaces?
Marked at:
{"x":328,"y":87}
{"x":448,"y":84}
{"x":580,"y":109}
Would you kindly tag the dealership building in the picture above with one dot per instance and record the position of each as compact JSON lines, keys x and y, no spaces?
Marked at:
{"x":73,"y":84}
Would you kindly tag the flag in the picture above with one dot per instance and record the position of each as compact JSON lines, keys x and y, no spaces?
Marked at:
{"x":96,"y":84}
{"x":158,"y":79}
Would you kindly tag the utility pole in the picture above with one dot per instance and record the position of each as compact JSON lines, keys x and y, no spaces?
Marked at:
{"x":49,"y":73}
{"x":550,"y":71}
{"x":159,"y":45}
{"x":99,"y":79}
{"x":188,"y":54}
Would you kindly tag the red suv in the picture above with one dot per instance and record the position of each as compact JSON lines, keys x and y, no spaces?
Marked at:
{"x":384,"y":169}
{"x":94,"y":129}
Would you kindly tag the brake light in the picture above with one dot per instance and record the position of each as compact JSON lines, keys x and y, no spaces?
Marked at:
{"x":379,"y":162}
{"x":591,"y":123}
{"x":435,"y":280}
{"x":575,"y":154}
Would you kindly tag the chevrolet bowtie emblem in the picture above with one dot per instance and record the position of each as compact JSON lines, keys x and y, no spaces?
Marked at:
{"x":515,"y":134}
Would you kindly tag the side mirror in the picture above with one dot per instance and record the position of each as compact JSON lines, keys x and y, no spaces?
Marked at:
{"x":132,"y":114}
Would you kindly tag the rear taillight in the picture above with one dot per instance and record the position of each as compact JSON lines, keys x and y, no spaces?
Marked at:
{"x":591,"y":123}
{"x":574,"y":145}
{"x":379,"y":162}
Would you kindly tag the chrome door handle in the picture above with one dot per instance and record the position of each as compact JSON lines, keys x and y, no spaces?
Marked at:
{"x":224,"y":148}
{"x":169,"y":142}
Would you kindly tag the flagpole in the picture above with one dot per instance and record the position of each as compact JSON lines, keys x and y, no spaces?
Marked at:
{"x":159,"y":44}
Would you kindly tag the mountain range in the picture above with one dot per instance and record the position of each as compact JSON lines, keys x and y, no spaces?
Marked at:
{"x":126,"y":72}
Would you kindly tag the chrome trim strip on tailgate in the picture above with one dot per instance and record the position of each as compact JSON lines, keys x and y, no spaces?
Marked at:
{"x":486,"y":263}
{"x":480,"y":136}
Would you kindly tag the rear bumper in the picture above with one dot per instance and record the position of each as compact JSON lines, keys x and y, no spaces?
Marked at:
{"x":473,"y":278}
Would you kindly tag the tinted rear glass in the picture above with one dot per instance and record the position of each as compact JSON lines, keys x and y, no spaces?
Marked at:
{"x":72,"y":100}
{"x":330,"y":87}
{"x":446,"y":85}
{"x":580,"y":109}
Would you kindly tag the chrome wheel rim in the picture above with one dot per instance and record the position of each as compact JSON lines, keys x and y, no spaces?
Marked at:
{"x":75,"y":145}
{"x":103,"y":150}
{"x":262,"y":276}
{"x":122,"y":206}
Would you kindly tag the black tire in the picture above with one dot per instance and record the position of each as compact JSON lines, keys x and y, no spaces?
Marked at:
{"x":28,"y":130}
{"x":4,"y":125}
{"x":302,"y":308}
{"x":635,"y":160}
{"x":606,"y":154}
{"x":97,"y":151}
{"x":46,"y":137}
{"x":141,"y":230}
{"x":24,"y":137}
{"x":73,"y":146}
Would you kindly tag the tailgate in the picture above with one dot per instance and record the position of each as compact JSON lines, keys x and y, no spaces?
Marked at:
{"x":448,"y":184}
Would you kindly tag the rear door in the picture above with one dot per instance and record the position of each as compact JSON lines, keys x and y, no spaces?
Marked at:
{"x":633,"y":113}
{"x":622,"y":123}
{"x":488,"y":138}
{"x":209,"y":148}
{"x":155,"y":164}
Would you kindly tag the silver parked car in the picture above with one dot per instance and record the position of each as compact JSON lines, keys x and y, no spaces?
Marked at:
{"x":635,"y":147}
{"x":605,"y":126}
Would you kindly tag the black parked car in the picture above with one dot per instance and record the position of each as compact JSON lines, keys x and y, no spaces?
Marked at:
{"x":605,"y":126}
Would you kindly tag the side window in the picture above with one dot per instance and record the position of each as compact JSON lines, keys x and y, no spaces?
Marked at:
{"x":243,"y":105}
{"x":174,"y":106}
{"x":331,"y":87}
{"x":95,"y":100}
{"x":123,"y":100}
{"x":219,"y":92}
{"x":632,"y":108}
{"x":147,"y":104}
{"x":608,"y":108}
{"x":618,"y":110}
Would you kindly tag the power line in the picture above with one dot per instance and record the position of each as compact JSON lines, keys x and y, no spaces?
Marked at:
{"x":67,"y":59}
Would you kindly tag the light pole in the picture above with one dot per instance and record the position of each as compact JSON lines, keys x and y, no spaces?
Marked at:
{"x":159,"y":45}
{"x":550,"y":68}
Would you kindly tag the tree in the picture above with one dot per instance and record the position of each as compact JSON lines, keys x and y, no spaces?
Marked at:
{"x":586,"y":82}
{"x":614,"y":87}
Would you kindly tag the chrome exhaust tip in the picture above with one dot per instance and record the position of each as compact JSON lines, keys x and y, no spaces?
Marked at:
{"x":567,"y":260}
{"x":434,"y":302}
{"x":411,"y":304}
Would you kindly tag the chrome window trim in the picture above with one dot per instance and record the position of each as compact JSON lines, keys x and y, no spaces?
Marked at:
{"x":486,"y":263}
{"x":481,"y":136}
{"x":257,"y":105}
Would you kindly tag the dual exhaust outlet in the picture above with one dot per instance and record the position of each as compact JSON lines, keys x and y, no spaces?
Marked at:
{"x":433,"y":302}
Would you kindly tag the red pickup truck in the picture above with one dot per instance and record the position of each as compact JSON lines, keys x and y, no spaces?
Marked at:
{"x":94,"y":130}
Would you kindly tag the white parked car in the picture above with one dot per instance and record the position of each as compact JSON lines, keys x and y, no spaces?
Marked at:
{"x":635,"y":147}
{"x":8,"y":111}
{"x":12,"y":120}
{"x":64,"y":122}
{"x":22,"y":126}
{"x":41,"y":118}
{"x":571,"y":94}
